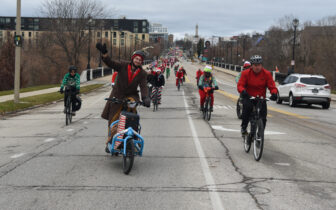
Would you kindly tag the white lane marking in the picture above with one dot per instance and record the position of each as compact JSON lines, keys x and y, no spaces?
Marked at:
{"x":214,"y":196}
{"x":282,"y":164}
{"x":49,"y":140}
{"x":69,"y":130}
{"x":18,"y":155}
{"x":85,"y":122}
{"x":221,"y":128}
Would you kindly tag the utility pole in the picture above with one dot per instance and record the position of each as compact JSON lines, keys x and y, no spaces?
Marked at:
{"x":17,"y":54}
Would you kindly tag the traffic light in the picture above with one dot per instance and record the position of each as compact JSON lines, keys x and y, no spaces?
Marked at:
{"x":18,"y":40}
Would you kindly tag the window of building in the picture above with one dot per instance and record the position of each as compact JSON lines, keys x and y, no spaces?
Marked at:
{"x":8,"y":20}
{"x":115,"y":24}
{"x":122,"y":34}
{"x":135,"y":23}
{"x":136,"y":36}
{"x":2,"y":20}
{"x":144,"y":23}
{"x":135,"y":30}
{"x":36,"y":28}
{"x":143,"y":37}
{"x":106,"y":34}
{"x":23,"y":34}
{"x":114,"y":41}
{"x":122,"y":42}
{"x":29,"y":34}
{"x":98,"y":34}
{"x":114,"y":34}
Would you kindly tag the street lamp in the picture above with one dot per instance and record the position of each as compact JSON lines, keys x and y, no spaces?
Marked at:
{"x":89,"y":52}
{"x":295,"y":25}
{"x":101,"y":42}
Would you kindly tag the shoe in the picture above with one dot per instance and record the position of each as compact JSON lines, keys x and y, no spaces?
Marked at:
{"x":73,"y":113}
{"x":202,"y":108}
{"x":244,"y":131}
{"x":107,"y":149}
{"x":211,"y":109}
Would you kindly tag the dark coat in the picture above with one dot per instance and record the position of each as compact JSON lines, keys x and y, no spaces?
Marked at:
{"x":122,"y":89}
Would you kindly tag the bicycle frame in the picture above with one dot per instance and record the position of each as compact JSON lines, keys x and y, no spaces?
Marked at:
{"x":129,"y":133}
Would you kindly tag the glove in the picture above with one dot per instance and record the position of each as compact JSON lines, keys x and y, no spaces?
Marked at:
{"x":200,"y":87}
{"x":274,"y":97}
{"x":216,"y":88}
{"x":61,"y":91}
{"x":146,"y":101}
{"x":101,"y":48}
{"x":244,"y":94}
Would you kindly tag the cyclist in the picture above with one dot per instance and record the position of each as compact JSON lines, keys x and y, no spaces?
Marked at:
{"x":158,"y":81}
{"x":176,"y":68}
{"x":184,"y":73}
{"x":72,"y":80}
{"x":247,"y":65}
{"x":167,"y":72}
{"x":253,"y":82}
{"x":131,"y":75}
{"x":207,"y":80}
{"x":179,"y":76}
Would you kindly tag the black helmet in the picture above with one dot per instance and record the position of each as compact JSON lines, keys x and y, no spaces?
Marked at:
{"x":72,"y":68}
{"x":256,"y":59}
{"x":139,"y":53}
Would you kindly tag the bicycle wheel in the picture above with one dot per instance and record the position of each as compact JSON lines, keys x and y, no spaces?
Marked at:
{"x":247,"y":139}
{"x":206,"y":109}
{"x":67,"y":111}
{"x":258,"y":141}
{"x":128,"y":158}
{"x":239,"y":109}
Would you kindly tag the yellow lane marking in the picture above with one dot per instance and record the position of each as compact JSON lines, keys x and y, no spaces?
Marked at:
{"x":235,"y":97}
{"x":187,"y":79}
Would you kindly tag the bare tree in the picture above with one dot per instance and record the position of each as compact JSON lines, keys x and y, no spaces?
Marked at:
{"x":68,"y":21}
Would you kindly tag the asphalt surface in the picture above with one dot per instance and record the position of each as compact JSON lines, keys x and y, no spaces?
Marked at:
{"x":187,"y":164}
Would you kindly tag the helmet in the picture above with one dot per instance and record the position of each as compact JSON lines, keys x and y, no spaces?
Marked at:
{"x":139,"y":53}
{"x":208,"y":69}
{"x":246,"y":64}
{"x":72,"y":68}
{"x":256,"y":59}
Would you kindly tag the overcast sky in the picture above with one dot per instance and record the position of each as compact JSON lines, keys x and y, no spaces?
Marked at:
{"x":215,"y":17}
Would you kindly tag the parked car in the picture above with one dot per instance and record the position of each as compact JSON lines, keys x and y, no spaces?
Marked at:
{"x":305,"y":88}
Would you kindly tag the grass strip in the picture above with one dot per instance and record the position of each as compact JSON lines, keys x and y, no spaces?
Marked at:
{"x":28,"y":89}
{"x":10,"y":106}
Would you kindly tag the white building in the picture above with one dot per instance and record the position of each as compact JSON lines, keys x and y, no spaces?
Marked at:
{"x":157,"y":32}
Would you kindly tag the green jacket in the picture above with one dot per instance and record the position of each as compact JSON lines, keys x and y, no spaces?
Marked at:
{"x":211,"y":81}
{"x":72,"y":81}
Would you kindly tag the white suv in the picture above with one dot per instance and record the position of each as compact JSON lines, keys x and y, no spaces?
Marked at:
{"x":305,"y":88}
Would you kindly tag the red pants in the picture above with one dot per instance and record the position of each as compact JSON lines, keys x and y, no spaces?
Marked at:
{"x":202,"y":97}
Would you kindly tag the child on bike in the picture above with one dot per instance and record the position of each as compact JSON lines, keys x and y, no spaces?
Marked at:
{"x":207,"y":80}
{"x":72,"y":82}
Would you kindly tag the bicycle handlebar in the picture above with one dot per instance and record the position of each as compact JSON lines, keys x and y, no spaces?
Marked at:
{"x":122,"y":101}
{"x":259,"y":98}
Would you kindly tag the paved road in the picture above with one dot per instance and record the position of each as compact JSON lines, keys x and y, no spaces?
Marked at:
{"x":187,"y":163}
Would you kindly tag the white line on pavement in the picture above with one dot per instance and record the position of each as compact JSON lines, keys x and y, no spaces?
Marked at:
{"x":18,"y":155}
{"x":221,"y":128}
{"x":69,"y":130}
{"x":282,"y":164}
{"x":214,"y":196}
{"x":49,"y":140}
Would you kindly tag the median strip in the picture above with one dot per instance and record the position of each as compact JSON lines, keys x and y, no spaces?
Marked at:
{"x":28,"y":102}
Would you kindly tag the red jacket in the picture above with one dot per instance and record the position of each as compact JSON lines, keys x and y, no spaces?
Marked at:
{"x":256,"y":84}
{"x":179,"y":74}
{"x":199,"y":73}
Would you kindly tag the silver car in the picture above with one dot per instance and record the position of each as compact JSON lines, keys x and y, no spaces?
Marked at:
{"x":305,"y":88}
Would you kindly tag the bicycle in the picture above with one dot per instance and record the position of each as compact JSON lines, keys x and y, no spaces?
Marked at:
{"x":256,"y":127}
{"x":68,"y":104}
{"x":207,"y":103}
{"x":129,"y":140}
{"x":179,"y":84}
{"x":155,"y":99}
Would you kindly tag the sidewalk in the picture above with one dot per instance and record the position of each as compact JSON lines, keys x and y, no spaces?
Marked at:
{"x":51,"y":90}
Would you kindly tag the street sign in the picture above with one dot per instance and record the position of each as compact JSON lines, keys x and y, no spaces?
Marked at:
{"x":18,"y":40}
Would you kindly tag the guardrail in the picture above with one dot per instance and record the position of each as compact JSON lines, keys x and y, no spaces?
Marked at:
{"x":90,"y":74}
{"x":277,"y":76}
